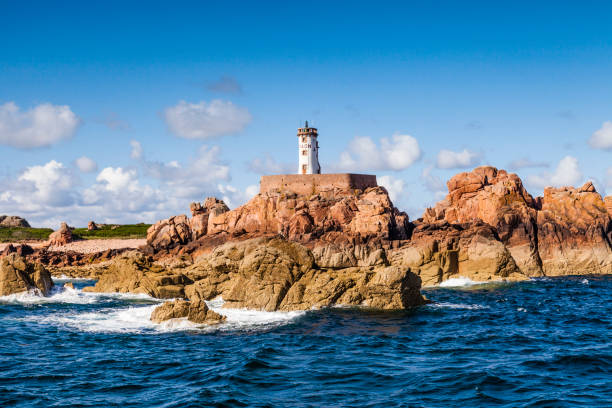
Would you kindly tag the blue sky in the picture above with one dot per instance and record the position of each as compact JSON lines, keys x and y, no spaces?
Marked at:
{"x":172,"y":102}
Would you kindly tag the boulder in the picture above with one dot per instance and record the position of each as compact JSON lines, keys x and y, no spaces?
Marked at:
{"x":62,"y":236}
{"x":92,"y":226}
{"x":12,"y":221}
{"x":608,"y":202}
{"x":18,"y":275}
{"x":195,"y":311}
{"x":169,"y":233}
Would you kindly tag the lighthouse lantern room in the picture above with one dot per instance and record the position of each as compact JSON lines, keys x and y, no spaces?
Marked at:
{"x":308,"y":150}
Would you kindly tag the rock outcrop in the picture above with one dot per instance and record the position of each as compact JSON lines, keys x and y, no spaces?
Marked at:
{"x":134,"y":272}
{"x":195,"y":311}
{"x":440,"y":251}
{"x":276,"y":274}
{"x":608,"y":201}
{"x":12,"y":221}
{"x":92,"y":226}
{"x":18,"y":275}
{"x":498,"y":199}
{"x":263,"y":274}
{"x":574,"y":232}
{"x":568,"y":231}
{"x":350,"y":216}
{"x":62,"y":236}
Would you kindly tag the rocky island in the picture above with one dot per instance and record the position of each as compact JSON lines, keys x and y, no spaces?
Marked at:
{"x":314,"y":241}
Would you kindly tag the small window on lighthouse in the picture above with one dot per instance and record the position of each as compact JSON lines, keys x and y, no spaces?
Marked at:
{"x":303,"y":152}
{"x":303,"y":139}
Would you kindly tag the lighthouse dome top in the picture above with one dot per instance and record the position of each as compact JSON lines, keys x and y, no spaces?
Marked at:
{"x":307,"y":130}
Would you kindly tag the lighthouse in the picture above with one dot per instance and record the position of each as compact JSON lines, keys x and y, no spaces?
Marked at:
{"x":308,"y":150}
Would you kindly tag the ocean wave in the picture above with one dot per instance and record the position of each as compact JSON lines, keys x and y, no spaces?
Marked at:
{"x":137,"y":319}
{"x":460,"y":281}
{"x":446,"y":305}
{"x":65,"y":294}
{"x":65,"y":278}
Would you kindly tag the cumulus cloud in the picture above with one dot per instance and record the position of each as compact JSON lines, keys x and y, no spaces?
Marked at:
{"x":602,"y":138}
{"x":50,"y":193}
{"x":206,"y":120}
{"x":37,"y":188}
{"x":447,"y":159}
{"x":268,"y":165}
{"x":525,"y":163}
{"x":41,"y":126}
{"x":86,"y":165}
{"x":396,"y":153}
{"x":567,"y":173}
{"x":234,"y":197}
{"x":136,"y":152}
{"x":394,"y":186}
{"x":225,"y":84}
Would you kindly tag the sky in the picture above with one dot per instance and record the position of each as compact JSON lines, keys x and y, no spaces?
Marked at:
{"x":125,"y":113}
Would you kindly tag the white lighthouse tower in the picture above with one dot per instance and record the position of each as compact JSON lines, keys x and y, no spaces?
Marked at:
{"x":308,"y":150}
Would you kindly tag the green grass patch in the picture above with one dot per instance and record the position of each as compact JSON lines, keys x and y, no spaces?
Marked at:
{"x":12,"y":234}
{"x":113,"y":231}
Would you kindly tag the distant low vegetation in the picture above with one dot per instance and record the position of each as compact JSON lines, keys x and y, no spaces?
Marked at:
{"x":113,"y":231}
{"x":14,"y":234}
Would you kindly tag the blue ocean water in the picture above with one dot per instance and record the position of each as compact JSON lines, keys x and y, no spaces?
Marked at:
{"x":540,"y":343}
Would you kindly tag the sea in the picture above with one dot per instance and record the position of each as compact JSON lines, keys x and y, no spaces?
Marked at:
{"x":540,"y":343}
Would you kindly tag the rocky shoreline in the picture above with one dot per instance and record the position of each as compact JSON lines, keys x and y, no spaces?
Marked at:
{"x":287,"y":251}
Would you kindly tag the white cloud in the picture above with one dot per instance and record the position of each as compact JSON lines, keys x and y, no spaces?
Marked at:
{"x":268,"y":165}
{"x":118,"y":179}
{"x":394,"y":186}
{"x":525,"y":163}
{"x":51,"y":193}
{"x":136,"y":152}
{"x":206,"y":120}
{"x":447,"y":159}
{"x":567,"y":173}
{"x":37,"y":188}
{"x":43,"y":125}
{"x":602,"y":138}
{"x":234,"y":197}
{"x":397,"y":153}
{"x":86,"y":165}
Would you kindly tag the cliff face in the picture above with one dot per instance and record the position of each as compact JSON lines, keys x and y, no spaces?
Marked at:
{"x":339,"y":217}
{"x":499,"y":200}
{"x":568,"y":231}
{"x":574,"y":232}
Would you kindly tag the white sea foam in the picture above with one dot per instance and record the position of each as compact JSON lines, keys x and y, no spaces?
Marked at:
{"x":459,"y":281}
{"x":125,"y":320}
{"x":137,"y":319}
{"x":64,"y":278}
{"x":445,"y":305}
{"x":247,"y":319}
{"x":64,"y":294}
{"x":584,"y":281}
